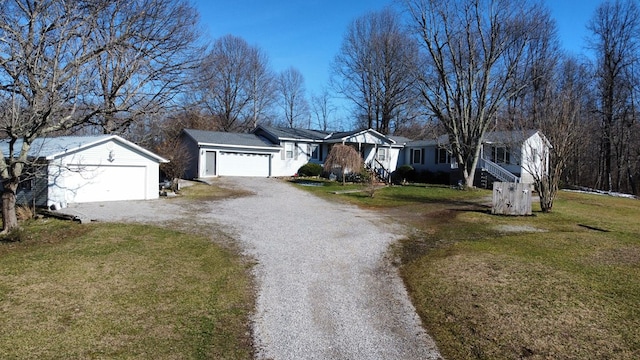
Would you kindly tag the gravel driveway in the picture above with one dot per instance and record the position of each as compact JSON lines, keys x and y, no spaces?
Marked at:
{"x":325,"y":289}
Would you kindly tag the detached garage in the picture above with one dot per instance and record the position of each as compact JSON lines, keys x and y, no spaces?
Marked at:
{"x":79,"y":169}
{"x":227,"y":154}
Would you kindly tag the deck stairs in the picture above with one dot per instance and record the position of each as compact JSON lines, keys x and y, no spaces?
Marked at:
{"x":491,"y":172}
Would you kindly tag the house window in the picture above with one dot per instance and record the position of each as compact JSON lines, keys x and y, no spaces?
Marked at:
{"x":314,"y":151}
{"x":25,"y":184}
{"x":442,"y":156}
{"x":288,"y":150}
{"x":500,"y":155}
{"x":417,"y":156}
{"x":382,"y":154}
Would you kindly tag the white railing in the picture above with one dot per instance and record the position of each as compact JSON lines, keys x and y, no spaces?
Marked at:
{"x":497,"y":171}
{"x":383,"y":174}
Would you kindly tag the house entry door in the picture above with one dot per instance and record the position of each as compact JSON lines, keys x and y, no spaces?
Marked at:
{"x":210,"y":163}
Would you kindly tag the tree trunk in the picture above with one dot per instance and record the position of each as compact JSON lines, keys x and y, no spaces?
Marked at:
{"x":9,"y":218}
{"x":547,"y":190}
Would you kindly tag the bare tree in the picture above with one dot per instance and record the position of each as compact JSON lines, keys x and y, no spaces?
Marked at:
{"x":559,"y":118}
{"x":472,"y":50}
{"x":343,"y":158}
{"x":145,"y":70}
{"x":292,"y":98}
{"x":234,"y":85}
{"x":616,"y":42}
{"x":375,"y":69}
{"x":322,"y":109}
{"x":49,"y":83}
{"x":44,"y":52}
{"x":178,"y":155}
{"x":262,"y":88}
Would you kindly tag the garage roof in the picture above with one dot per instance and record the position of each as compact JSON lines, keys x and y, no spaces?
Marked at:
{"x":229,"y":139}
{"x":50,"y":148}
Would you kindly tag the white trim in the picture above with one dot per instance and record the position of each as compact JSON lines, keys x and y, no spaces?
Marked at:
{"x":105,"y":139}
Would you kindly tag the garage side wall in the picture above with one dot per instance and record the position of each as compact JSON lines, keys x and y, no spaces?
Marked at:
{"x":193,"y":150}
{"x":108,"y":171}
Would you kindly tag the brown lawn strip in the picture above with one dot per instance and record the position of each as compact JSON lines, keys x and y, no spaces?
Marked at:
{"x":538,"y":287}
{"x":122,"y":291}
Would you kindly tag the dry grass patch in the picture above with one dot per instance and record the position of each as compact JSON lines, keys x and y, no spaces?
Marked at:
{"x":121,"y":291}
{"x":553,"y":289}
{"x":206,"y":192}
{"x":566,"y":293}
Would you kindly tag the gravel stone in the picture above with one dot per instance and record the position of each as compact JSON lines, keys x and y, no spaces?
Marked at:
{"x":324,"y":287}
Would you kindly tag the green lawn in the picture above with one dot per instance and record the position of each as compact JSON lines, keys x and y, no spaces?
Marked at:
{"x":122,"y":291}
{"x":564,"y":285}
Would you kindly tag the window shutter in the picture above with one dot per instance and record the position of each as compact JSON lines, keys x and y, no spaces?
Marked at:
{"x":320,"y":152}
{"x":295,"y":151}
{"x":437,"y":156}
{"x":283,"y":151}
{"x":422,"y":156}
{"x":411,"y":157}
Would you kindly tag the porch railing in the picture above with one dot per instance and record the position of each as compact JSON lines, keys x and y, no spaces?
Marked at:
{"x":379,"y":170}
{"x":497,"y":171}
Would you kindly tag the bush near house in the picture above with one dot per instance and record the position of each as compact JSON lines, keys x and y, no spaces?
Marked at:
{"x":429,"y":177}
{"x":403,"y":173}
{"x":310,"y":169}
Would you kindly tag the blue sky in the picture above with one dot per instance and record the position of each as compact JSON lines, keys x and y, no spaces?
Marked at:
{"x":307,"y":34}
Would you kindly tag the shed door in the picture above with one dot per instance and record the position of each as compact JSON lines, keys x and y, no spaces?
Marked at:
{"x":243,"y":164}
{"x":105,"y":183}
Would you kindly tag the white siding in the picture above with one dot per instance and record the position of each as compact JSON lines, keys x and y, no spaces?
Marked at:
{"x":283,"y":166}
{"x":535,"y":158}
{"x":104,"y":172}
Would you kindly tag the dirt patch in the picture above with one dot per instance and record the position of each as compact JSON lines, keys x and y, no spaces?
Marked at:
{"x":518,"y":229}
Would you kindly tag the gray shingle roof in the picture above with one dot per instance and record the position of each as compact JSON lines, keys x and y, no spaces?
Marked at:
{"x":297,"y":134}
{"x":508,"y":137}
{"x":499,"y":137}
{"x":51,"y":147}
{"x":342,"y":134}
{"x":421,"y":143}
{"x":43,"y":147}
{"x":399,"y":139}
{"x":227,"y":138}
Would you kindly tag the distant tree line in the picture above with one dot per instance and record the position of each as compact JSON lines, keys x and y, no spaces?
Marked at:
{"x":140,"y":68}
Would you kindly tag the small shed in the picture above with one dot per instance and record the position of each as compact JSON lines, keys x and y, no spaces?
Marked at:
{"x":80,"y":169}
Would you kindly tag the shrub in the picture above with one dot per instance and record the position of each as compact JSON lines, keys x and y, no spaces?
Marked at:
{"x":24,"y":212}
{"x":404,"y":172}
{"x":310,"y":169}
{"x":439,"y":177}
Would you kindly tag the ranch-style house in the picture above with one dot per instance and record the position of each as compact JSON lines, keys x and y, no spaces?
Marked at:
{"x":275,"y":152}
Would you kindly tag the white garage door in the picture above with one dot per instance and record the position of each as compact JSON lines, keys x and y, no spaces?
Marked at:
{"x":240,"y":164}
{"x":105,"y":183}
